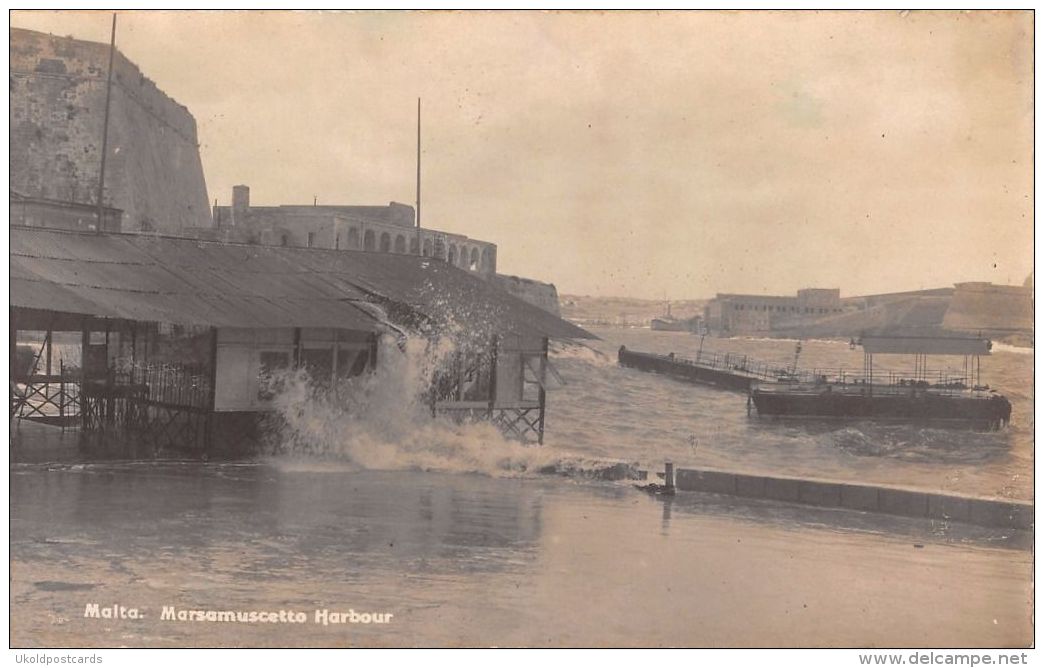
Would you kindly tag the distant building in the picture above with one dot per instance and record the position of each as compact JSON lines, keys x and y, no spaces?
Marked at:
{"x":384,"y":229}
{"x":730,"y":314}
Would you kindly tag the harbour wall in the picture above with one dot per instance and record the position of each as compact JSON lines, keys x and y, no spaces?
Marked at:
{"x":1002,"y":513}
{"x":541,"y":295}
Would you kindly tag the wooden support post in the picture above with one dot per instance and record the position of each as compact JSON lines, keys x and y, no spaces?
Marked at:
{"x":85,"y":343}
{"x":459,"y":369}
{"x":61,"y":393}
{"x":13,"y":343}
{"x":373,"y":351}
{"x":47,"y":366}
{"x":492,"y":376}
{"x":668,"y":477}
{"x":108,"y":401}
{"x":542,"y":395}
{"x":47,"y":352}
{"x":208,"y":433}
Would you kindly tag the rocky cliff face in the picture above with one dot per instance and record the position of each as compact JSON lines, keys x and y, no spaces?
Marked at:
{"x":57,"y":105}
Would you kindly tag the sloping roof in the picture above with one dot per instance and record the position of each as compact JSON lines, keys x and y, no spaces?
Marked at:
{"x":166,"y":279}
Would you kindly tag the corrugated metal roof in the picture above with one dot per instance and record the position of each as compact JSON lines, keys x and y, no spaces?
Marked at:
{"x":165,"y":279}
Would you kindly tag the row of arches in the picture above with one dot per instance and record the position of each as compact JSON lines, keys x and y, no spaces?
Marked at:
{"x":463,"y":256}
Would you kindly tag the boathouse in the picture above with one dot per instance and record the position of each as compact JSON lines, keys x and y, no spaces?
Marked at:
{"x":177,"y":336}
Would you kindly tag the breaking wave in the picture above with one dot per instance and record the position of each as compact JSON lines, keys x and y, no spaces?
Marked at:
{"x":381,"y":421}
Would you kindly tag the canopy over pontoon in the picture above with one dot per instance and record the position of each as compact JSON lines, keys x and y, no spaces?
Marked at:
{"x":925,"y":345}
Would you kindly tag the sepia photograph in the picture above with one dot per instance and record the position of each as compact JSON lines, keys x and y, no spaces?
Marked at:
{"x":706,"y":329}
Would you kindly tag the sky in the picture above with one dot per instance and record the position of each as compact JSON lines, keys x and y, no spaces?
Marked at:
{"x":636,"y":154}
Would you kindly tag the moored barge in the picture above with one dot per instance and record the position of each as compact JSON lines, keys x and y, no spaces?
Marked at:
{"x":919,"y":395}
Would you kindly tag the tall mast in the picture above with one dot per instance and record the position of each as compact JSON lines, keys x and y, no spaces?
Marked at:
{"x":420,"y":248}
{"x":105,"y":130}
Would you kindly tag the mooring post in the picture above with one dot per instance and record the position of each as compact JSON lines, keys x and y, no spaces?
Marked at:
{"x":668,"y":477}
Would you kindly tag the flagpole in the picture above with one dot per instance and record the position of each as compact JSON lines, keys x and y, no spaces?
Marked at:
{"x":105,"y":130}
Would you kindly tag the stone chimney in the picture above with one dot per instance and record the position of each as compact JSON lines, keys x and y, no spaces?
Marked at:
{"x":240,"y":203}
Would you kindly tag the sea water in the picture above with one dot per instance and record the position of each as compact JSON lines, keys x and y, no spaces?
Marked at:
{"x":365,"y":505}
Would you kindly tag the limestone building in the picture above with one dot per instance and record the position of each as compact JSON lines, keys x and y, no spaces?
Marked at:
{"x":386,"y":229}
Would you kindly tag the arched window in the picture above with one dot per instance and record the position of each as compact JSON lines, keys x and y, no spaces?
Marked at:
{"x":400,"y":244}
{"x":369,"y":240}
{"x":385,"y":242}
{"x":473,"y":264}
{"x":414,"y":246}
{"x":427,"y":248}
{"x":353,"y":238}
{"x":440,"y":249}
{"x":452,"y":257}
{"x":487,"y":259}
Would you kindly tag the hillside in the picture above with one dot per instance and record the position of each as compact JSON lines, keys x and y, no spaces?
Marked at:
{"x":583,"y":309}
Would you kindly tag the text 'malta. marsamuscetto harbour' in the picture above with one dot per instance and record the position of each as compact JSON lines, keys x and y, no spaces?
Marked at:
{"x":226,"y":406}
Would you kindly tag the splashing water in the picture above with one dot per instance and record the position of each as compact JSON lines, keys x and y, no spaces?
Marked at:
{"x":382,"y":421}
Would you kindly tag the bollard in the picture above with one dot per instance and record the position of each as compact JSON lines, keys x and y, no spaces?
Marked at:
{"x":668,"y":477}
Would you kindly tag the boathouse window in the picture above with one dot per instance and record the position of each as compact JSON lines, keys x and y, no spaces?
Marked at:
{"x":353,"y":238}
{"x":283,"y":241}
{"x":369,"y":240}
{"x":337,"y":241}
{"x":414,"y":246}
{"x":352,"y":360}
{"x":311,"y":239}
{"x":474,"y":265}
{"x":269,"y":383}
{"x":318,"y":362}
{"x":385,"y":242}
{"x":400,"y":244}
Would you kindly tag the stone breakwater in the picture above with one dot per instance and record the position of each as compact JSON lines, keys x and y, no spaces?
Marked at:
{"x":1004,"y":513}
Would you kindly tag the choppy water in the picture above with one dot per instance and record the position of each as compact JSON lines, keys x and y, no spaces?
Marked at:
{"x":471,"y":560}
{"x":610,"y":411}
{"x":465,"y":538}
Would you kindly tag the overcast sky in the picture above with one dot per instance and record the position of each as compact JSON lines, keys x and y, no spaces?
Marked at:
{"x":632,"y":154}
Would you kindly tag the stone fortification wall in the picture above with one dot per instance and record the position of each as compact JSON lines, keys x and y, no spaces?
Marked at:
{"x":57,"y":106}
